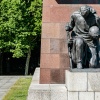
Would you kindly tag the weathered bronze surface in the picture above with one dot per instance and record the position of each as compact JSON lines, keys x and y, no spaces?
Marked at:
{"x":83,"y":40}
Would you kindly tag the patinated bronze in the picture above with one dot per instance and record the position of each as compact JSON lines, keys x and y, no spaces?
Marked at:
{"x":83,"y":43}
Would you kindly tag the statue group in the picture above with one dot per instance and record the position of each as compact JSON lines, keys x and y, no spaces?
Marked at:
{"x":83,"y":33}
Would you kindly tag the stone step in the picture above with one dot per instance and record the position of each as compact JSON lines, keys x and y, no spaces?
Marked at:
{"x":45,"y":91}
{"x":83,"y":85}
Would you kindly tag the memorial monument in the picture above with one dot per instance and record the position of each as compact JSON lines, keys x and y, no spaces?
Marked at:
{"x":83,"y":45}
{"x":54,"y":50}
{"x":54,"y":80}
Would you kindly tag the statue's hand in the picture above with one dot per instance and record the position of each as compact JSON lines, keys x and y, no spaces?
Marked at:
{"x":68,"y":28}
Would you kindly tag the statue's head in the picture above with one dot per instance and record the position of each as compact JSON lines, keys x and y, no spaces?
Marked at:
{"x":94,"y":32}
{"x":85,"y":10}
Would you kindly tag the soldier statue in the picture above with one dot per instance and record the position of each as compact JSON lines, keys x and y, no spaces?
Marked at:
{"x":84,"y":29}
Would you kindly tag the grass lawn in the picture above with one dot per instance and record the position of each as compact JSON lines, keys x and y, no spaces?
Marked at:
{"x":19,"y":90}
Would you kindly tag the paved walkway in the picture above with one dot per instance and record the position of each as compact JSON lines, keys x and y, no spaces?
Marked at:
{"x":5,"y":84}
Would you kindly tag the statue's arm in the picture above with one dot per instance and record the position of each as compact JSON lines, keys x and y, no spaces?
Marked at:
{"x":96,"y":17}
{"x":98,"y":21}
{"x":93,"y":11}
{"x":69,"y":26}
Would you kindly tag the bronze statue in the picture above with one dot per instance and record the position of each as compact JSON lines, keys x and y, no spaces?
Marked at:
{"x":84,"y":42}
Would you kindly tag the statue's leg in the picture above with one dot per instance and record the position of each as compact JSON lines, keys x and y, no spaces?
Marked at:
{"x":79,"y":52}
{"x":93,"y":59}
{"x":73,"y":52}
{"x":97,"y":49}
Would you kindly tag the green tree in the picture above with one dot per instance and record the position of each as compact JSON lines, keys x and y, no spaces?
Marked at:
{"x":20,"y":25}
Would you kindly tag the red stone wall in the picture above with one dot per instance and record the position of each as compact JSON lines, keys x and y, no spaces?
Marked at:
{"x":54,"y":53}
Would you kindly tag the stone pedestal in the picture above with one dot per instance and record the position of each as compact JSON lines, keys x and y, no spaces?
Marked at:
{"x":54,"y":52}
{"x":83,"y":85}
{"x":46,"y":91}
{"x":79,"y":86}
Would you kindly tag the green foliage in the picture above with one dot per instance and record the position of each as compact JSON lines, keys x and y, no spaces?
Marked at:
{"x":20,"y":25}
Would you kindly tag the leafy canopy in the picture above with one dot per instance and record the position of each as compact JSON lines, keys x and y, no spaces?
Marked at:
{"x":20,"y":25}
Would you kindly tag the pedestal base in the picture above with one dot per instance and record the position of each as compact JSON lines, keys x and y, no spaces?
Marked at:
{"x":83,"y":85}
{"x":78,"y":86}
{"x":46,"y":91}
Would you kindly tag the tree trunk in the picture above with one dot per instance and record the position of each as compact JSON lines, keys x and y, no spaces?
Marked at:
{"x":1,"y":59}
{"x":27,"y":61}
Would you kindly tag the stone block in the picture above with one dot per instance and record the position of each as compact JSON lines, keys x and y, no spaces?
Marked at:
{"x":64,"y":60}
{"x":46,"y":14}
{"x":62,"y":31}
{"x":62,"y":73}
{"x":45,"y":76}
{"x":50,"y":30}
{"x":50,"y":3}
{"x":58,"y":92}
{"x":64,"y":13}
{"x":97,"y":95}
{"x":63,"y":46}
{"x":94,"y":81}
{"x":76,"y":81}
{"x":50,"y":61}
{"x":36,"y":82}
{"x":86,"y":95}
{"x":72,"y":95}
{"x":55,"y":76}
{"x":36,"y":76}
{"x":54,"y":46}
{"x":45,"y":95}
{"x":43,"y":87}
{"x":45,"y":45}
{"x":62,"y":16}
{"x":39,"y":92}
